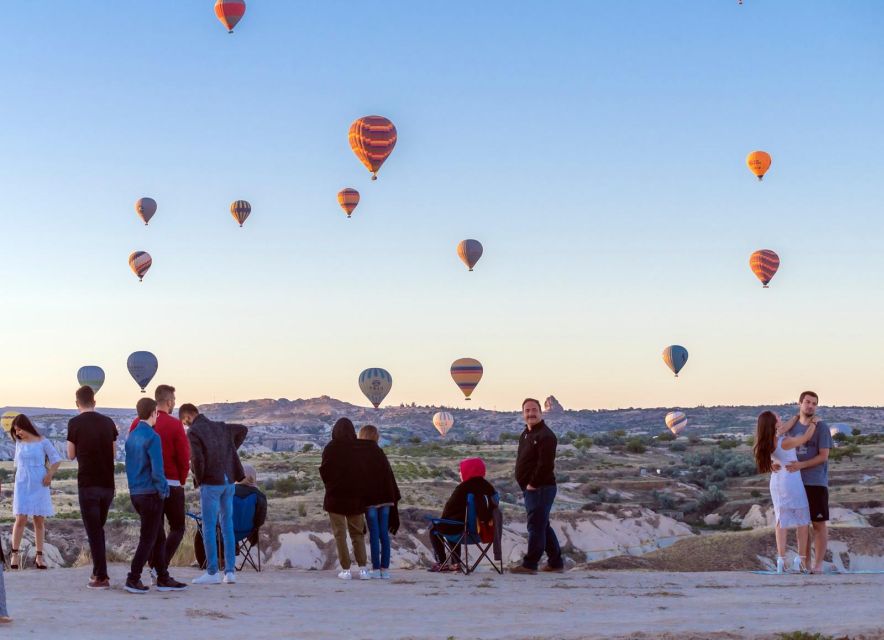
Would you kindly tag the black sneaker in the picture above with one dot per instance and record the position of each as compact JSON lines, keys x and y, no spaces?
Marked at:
{"x":135,"y":586}
{"x":170,"y":584}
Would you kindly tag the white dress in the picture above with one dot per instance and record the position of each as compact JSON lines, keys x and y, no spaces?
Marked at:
{"x":787,"y":491}
{"x":30,"y":497}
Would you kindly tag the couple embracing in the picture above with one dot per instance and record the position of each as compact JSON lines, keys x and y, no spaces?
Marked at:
{"x":796,"y":454}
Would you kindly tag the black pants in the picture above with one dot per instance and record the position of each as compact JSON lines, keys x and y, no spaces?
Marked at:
{"x":439,"y":546}
{"x":150,"y":507}
{"x":166,"y":546}
{"x":95,"y":502}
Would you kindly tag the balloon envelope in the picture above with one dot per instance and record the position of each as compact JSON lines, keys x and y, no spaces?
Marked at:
{"x":372,"y":139}
{"x":6,"y":420}
{"x":375,"y":383}
{"x":676,"y":421}
{"x":675,"y":357}
{"x":764,"y":264}
{"x":142,"y":366}
{"x":92,"y":376}
{"x":469,"y":251}
{"x":443,"y":421}
{"x":139,"y":262}
{"x":758,"y":163}
{"x":466,"y":373}
{"x":348,"y":199}
{"x":229,"y":12}
{"x":145,"y":208}
{"x":240,"y":210}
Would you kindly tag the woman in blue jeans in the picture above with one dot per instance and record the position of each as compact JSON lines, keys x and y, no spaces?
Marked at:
{"x":380,"y":495}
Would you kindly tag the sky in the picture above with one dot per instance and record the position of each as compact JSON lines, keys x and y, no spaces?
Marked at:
{"x":596,"y":149}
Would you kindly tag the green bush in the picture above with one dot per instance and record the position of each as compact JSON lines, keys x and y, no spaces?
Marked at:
{"x":729,"y":444}
{"x":856,"y":431}
{"x":840,"y":453}
{"x":636,"y":445}
{"x":666,"y":436}
{"x":307,"y":448}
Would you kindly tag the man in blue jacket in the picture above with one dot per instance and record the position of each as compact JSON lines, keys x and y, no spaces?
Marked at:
{"x":147,"y":490}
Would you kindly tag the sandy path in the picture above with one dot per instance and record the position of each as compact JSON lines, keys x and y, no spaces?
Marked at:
{"x":416,"y":604}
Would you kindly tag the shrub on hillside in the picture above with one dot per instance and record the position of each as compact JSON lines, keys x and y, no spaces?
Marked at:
{"x":729,"y":444}
{"x":636,"y":445}
{"x":666,"y":436}
{"x":840,"y":453}
{"x":678,"y":446}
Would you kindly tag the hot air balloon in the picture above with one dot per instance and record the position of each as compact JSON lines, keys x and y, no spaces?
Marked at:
{"x":375,"y":383}
{"x":839,"y":427}
{"x":372,"y":139}
{"x":443,"y":421}
{"x":142,"y":367}
{"x":466,"y":373}
{"x":92,"y":376}
{"x":240,"y":209}
{"x":230,"y":12}
{"x":139,"y":262}
{"x":764,"y":264}
{"x":469,"y":251}
{"x":759,"y":163}
{"x":675,"y":357}
{"x":676,"y":421}
{"x":348,"y":199}
{"x":6,"y":420}
{"x":145,"y":208}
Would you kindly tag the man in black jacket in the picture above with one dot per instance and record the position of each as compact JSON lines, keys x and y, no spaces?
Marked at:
{"x":215,"y":467}
{"x":535,"y":473}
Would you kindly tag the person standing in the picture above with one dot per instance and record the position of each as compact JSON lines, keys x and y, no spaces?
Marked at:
{"x":380,"y":495}
{"x":147,"y":490}
{"x":92,"y":443}
{"x":340,"y":473}
{"x":36,"y":462}
{"x":176,"y":465}
{"x":813,"y":462}
{"x":535,"y":473}
{"x":216,"y":467}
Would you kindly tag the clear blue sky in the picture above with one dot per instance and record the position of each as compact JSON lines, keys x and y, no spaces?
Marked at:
{"x":595,"y":148}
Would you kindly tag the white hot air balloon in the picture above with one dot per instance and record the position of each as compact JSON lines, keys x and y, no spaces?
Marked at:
{"x":443,"y":421}
{"x":676,"y":421}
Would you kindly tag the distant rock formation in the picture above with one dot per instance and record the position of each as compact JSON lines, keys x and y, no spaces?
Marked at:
{"x":551,"y":405}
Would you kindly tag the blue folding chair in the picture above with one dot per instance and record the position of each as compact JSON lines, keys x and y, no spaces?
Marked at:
{"x":469,"y":536}
{"x":246,"y":535}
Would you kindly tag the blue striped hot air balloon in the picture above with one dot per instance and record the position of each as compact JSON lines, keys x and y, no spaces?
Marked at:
{"x":466,"y":373}
{"x":675,"y":356}
{"x":375,"y":383}
{"x":92,"y":376}
{"x":142,"y":367}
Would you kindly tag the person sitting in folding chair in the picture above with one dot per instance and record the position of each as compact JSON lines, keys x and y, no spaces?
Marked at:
{"x":248,"y":500}
{"x":447,"y":532}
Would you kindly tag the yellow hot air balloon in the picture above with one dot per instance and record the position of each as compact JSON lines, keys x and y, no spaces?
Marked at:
{"x":6,"y":420}
{"x":466,"y":373}
{"x":443,"y":421}
{"x":758,"y":162}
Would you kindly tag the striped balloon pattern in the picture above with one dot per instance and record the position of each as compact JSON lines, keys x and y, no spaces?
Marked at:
{"x":145,"y":208}
{"x":142,"y":366}
{"x":372,"y":139}
{"x":675,"y":357}
{"x":230,"y":12}
{"x":443,"y":421}
{"x":758,"y":163}
{"x":240,"y":210}
{"x":92,"y":376}
{"x":139,"y":262}
{"x":676,"y":421}
{"x":764,"y":264}
{"x":469,"y":252}
{"x":375,"y":383}
{"x":466,"y":373}
{"x":348,"y":199}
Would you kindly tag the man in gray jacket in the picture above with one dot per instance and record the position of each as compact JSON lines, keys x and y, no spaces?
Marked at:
{"x":215,"y":466}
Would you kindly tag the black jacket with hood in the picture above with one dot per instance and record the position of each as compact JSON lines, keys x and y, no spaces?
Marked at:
{"x":341,"y":471}
{"x":213,"y":453}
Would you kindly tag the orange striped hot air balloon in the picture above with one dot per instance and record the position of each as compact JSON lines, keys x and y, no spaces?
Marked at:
{"x":230,"y":12}
{"x":372,"y":139}
{"x":466,"y":373}
{"x":348,"y":199}
{"x":764,"y":264}
{"x":758,"y":162}
{"x":240,"y":210}
{"x":139,"y":262}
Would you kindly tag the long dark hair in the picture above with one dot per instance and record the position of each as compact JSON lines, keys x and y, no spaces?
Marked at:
{"x":765,"y":443}
{"x":21,"y":421}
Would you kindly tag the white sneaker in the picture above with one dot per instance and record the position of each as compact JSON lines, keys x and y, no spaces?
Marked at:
{"x":385,"y":574}
{"x":796,"y":564}
{"x":781,"y":564}
{"x":364,"y":574}
{"x":230,"y":578}
{"x":208,"y":578}
{"x":345,"y":575}
{"x":376,"y":574}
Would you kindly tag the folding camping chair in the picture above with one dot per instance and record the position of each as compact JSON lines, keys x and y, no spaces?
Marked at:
{"x":247,"y":536}
{"x":471,"y":536}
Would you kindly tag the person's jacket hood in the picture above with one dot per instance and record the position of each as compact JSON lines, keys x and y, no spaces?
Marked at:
{"x":343,"y":430}
{"x":472,"y":468}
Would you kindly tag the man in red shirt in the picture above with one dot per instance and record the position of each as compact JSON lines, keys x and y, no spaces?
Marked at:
{"x":176,"y":465}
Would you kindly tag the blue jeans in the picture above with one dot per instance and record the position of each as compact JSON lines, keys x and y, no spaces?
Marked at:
{"x":216,"y":500}
{"x":378,"y":519}
{"x":541,"y":536}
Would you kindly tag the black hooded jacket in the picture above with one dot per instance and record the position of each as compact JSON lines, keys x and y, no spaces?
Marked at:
{"x":341,"y":471}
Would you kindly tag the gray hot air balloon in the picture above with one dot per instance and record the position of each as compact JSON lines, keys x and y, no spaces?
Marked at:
{"x":470,"y":251}
{"x":142,"y":367}
{"x":145,"y":208}
{"x":92,"y":376}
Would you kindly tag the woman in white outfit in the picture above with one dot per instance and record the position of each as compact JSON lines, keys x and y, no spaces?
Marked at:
{"x":786,"y":488}
{"x":36,"y":461}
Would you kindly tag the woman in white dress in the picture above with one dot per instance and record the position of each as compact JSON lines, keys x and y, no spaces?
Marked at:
{"x":786,"y":488}
{"x":36,"y":461}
